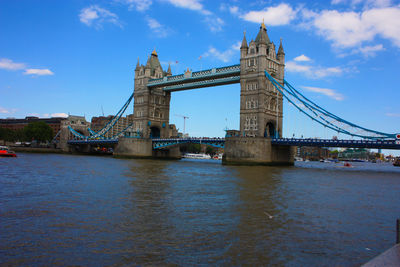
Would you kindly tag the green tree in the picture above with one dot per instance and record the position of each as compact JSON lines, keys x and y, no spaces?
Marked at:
{"x":210,"y":151}
{"x":194,"y":148}
{"x":38,"y":131}
{"x":11,"y":135}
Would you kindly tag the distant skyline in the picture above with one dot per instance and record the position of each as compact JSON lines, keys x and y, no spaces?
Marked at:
{"x":78,"y":57}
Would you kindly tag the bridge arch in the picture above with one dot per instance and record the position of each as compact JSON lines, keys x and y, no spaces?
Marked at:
{"x":270,"y":130}
{"x":155,"y":132}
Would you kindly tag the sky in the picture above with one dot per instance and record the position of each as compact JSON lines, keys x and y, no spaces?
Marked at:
{"x":78,"y":57}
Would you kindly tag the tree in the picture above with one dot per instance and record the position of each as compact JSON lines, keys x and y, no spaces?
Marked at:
{"x":194,"y":148}
{"x":11,"y":135}
{"x":210,"y":151}
{"x":38,"y":131}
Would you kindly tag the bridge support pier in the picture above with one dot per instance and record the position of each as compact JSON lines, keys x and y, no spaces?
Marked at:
{"x":256,"y":151}
{"x":143,"y":148}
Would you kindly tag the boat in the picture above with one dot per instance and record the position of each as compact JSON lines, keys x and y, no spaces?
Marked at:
{"x":217,"y":156}
{"x":346,"y":164}
{"x":6,"y":152}
{"x":196,"y":156}
{"x":397,"y":162}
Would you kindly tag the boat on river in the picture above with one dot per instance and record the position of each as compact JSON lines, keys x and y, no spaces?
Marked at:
{"x":6,"y":152}
{"x":196,"y":156}
{"x":397,"y":162}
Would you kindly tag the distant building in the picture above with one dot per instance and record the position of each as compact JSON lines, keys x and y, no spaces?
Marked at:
{"x":127,"y":126}
{"x":122,"y":124}
{"x":312,"y":153}
{"x":18,"y":124}
{"x":356,"y":153}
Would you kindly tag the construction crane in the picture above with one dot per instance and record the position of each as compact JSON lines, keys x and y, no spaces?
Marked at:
{"x":184,"y":121}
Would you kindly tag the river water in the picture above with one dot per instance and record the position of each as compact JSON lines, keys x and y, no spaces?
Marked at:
{"x":96,"y":211}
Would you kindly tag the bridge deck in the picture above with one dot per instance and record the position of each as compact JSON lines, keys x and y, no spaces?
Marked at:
{"x":159,"y":143}
{"x":379,"y":144}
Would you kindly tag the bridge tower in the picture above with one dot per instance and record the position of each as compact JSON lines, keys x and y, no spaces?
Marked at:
{"x":151,"y":114}
{"x":151,"y":106}
{"x":260,"y":106}
{"x":260,"y":103}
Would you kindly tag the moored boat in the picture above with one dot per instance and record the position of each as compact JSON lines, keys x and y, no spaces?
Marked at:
{"x":196,"y":156}
{"x":6,"y":152}
{"x":397,"y":162}
{"x":217,"y":156}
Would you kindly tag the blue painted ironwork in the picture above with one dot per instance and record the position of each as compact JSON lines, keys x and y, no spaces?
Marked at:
{"x":91,"y":131}
{"x":322,"y":116}
{"x":93,"y":142}
{"x":76,"y":134}
{"x":160,"y":143}
{"x":113,"y":121}
{"x":378,"y":144}
{"x":202,"y":84}
{"x":107,"y":127}
{"x":198,"y":79}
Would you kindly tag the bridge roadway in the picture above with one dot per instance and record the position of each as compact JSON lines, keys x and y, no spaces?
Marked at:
{"x":160,"y":143}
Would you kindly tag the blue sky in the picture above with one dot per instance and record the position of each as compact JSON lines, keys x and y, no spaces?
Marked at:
{"x":78,"y":57}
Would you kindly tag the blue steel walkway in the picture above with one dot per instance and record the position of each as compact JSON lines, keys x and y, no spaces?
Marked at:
{"x":379,"y":144}
{"x":160,"y":143}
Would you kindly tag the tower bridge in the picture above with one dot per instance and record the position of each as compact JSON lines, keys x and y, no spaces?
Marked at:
{"x":259,"y":139}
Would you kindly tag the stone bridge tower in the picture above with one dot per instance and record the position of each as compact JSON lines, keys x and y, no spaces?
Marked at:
{"x":260,"y":103}
{"x":260,"y":106}
{"x":151,"y":106}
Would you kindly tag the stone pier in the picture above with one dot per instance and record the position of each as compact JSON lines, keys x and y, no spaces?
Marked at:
{"x":256,"y":151}
{"x":142,"y":148}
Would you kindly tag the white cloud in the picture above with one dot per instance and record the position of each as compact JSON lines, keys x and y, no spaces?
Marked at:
{"x":234,"y":10}
{"x":8,"y":64}
{"x":213,"y":22}
{"x":366,"y":3}
{"x":393,"y":114}
{"x":160,"y":30}
{"x":315,"y":72}
{"x":302,"y":58}
{"x":282,"y":14}
{"x":224,"y":56}
{"x":353,"y":29}
{"x":96,"y":16}
{"x":325,"y":91}
{"x":59,"y":115}
{"x":139,"y":5}
{"x":39,"y":72}
{"x":7,"y":111}
{"x":187,"y":4}
{"x":369,"y":51}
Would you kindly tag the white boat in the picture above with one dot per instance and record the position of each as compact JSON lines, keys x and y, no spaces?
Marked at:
{"x":196,"y":156}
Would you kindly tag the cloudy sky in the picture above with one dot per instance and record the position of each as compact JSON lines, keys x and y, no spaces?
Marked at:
{"x":77,"y":57}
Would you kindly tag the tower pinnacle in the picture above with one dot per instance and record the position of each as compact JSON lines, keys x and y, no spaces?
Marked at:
{"x":244,"y":41}
{"x":280,"y":49}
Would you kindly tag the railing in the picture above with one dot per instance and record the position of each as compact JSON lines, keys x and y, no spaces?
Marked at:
{"x":386,"y":144}
{"x":233,"y":69}
{"x":159,"y":143}
{"x":205,"y":83}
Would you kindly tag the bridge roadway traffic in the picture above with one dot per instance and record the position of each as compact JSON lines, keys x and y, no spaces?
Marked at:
{"x":159,"y":143}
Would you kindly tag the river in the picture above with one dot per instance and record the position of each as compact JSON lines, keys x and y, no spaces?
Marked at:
{"x":96,"y":211}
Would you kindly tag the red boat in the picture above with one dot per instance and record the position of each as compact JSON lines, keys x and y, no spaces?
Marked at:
{"x":346,"y":164}
{"x":5,"y":152}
